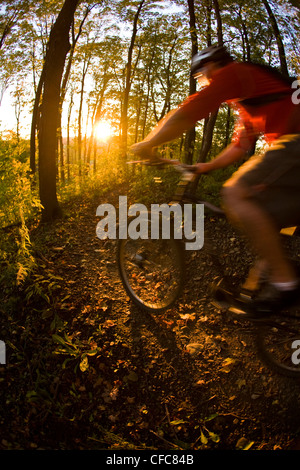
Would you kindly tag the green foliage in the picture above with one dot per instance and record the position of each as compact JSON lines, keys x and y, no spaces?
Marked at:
{"x":18,"y":199}
{"x":18,"y":203}
{"x":149,"y":185}
{"x":210,"y":185}
{"x":110,"y":172}
{"x":75,"y":350}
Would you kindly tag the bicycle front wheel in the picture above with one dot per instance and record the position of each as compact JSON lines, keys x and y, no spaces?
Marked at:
{"x":152,"y":271}
{"x":278,"y":345}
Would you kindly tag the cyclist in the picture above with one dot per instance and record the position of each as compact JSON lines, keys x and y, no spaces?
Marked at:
{"x":264,"y":194}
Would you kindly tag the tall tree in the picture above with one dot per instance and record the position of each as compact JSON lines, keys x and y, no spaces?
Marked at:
{"x":191,"y":135}
{"x":75,"y":38}
{"x":85,"y":63}
{"x":57,"y":49}
{"x":128,"y":78}
{"x":210,"y":121}
{"x":280,"y":46}
{"x":41,"y":17}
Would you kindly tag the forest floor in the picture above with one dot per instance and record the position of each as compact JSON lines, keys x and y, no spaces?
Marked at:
{"x":88,"y":370}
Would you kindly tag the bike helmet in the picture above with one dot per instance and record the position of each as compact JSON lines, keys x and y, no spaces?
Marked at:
{"x":210,"y":54}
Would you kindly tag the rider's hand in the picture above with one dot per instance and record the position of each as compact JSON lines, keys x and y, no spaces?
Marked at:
{"x":143,"y":150}
{"x":202,"y":168}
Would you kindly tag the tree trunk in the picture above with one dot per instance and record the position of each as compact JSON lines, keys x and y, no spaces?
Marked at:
{"x":124,"y":118}
{"x":219,"y":22}
{"x":64,"y":85}
{"x":190,"y":137}
{"x":34,"y":123}
{"x":79,"y":132}
{"x":209,"y":124}
{"x":207,"y":136}
{"x":280,"y":46}
{"x":57,"y":49}
{"x":227,"y":129}
{"x":245,"y":38}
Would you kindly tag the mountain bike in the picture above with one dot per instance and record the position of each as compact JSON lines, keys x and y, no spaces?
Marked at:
{"x":152,"y":270}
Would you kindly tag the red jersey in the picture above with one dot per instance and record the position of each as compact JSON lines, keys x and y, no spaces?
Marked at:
{"x":263,"y":100}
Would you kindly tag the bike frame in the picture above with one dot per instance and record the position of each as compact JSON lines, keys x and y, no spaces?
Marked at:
{"x":263,"y":327}
{"x":183,"y":193}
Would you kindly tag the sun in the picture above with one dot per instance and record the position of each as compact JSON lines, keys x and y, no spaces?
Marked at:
{"x":103,"y":130}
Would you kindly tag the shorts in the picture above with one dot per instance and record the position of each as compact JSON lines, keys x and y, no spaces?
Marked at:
{"x":275,"y":180}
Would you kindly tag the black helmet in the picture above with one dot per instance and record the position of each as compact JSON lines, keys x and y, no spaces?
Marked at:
{"x":210,"y":54}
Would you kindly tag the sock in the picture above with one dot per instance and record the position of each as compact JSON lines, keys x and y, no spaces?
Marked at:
{"x":285,"y":286}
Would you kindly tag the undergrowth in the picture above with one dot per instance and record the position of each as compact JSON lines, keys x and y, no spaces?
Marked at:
{"x":20,"y":207}
{"x":43,"y":349}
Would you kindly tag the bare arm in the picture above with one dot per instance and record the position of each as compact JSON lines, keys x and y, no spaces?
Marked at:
{"x":173,"y":126}
{"x":168,"y":129}
{"x":230,"y":155}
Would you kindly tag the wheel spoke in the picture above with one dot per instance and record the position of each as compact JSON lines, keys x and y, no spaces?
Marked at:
{"x":151,"y":271}
{"x":279,"y":345}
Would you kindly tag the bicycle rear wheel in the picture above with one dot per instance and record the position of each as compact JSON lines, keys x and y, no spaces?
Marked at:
{"x":152,"y":271}
{"x":278,"y":344}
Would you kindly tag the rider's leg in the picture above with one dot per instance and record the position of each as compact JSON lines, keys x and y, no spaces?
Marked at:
{"x":259,"y":228}
{"x":258,"y":274}
{"x":260,"y":198}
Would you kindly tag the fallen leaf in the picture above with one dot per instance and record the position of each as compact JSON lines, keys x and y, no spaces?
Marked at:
{"x":199,"y":383}
{"x":84,"y":364}
{"x":228,"y":364}
{"x":188,"y":316}
{"x":244,"y":444}
{"x":194,"y":348}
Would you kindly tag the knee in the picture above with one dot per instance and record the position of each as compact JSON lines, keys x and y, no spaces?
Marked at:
{"x":234,"y":193}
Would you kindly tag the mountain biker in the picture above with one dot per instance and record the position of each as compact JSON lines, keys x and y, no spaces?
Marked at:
{"x":264,"y":194}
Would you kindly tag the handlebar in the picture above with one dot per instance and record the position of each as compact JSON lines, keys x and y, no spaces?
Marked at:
{"x":187,"y":170}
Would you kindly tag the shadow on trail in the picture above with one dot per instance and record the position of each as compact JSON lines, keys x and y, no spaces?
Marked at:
{"x":178,"y":366}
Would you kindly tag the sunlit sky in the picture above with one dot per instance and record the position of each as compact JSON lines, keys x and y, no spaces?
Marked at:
{"x":8,"y":119}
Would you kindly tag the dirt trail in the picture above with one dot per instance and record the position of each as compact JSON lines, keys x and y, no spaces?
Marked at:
{"x":113,"y":376}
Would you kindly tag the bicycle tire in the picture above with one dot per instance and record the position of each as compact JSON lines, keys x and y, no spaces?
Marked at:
{"x":151,"y":271}
{"x":278,"y":345}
